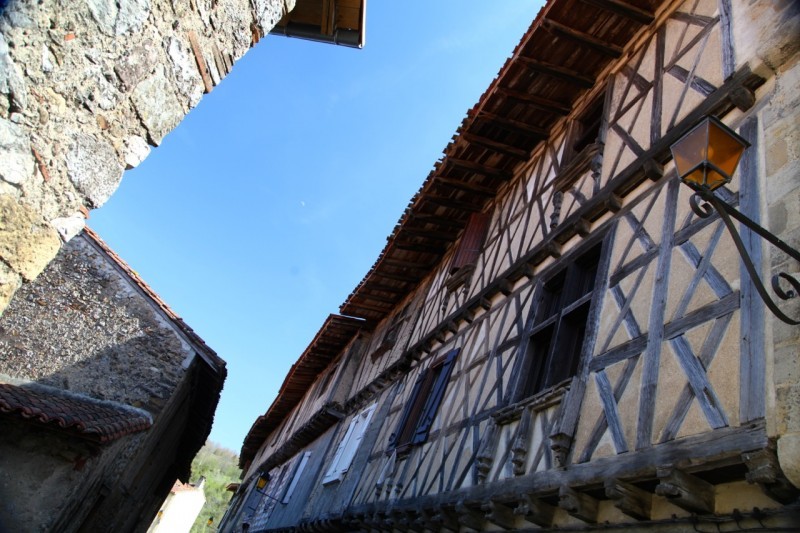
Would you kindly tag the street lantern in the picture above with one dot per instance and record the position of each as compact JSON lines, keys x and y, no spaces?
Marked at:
{"x":707,"y":156}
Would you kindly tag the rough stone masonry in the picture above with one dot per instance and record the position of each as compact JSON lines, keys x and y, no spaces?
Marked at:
{"x":87,"y":87}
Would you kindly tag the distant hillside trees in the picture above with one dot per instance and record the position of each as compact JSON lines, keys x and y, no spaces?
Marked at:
{"x":219,"y":466}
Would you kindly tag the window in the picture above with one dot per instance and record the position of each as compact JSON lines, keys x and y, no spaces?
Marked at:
{"x":559,"y":327}
{"x":585,"y":130}
{"x":327,"y":380}
{"x":348,"y":446}
{"x":428,"y":392}
{"x":391,"y":335}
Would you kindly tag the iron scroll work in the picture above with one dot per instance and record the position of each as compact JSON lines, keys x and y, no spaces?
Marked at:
{"x":710,"y":204}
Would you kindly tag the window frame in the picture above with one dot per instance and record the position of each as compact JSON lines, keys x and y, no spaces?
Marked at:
{"x":562,"y":311}
{"x":391,"y":333}
{"x":423,"y":403}
{"x":587,"y":129}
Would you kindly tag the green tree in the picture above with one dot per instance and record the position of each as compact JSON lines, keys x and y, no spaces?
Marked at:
{"x":220,"y":467}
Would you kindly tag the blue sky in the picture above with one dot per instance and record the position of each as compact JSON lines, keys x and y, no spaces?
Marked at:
{"x":261,"y":212}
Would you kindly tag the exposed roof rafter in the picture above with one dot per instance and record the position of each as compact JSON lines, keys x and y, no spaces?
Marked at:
{"x":556,"y":71}
{"x":544,"y":104}
{"x":496,"y":146}
{"x":478,"y":168}
{"x":624,"y":9}
{"x":583,"y":38}
{"x":513,"y":125}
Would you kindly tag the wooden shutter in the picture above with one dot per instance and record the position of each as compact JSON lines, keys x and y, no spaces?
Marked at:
{"x":471,"y":243}
{"x":348,"y":446}
{"x":397,"y":438}
{"x":253,"y":499}
{"x":333,"y":471}
{"x":296,"y":477}
{"x":435,"y":397}
{"x":352,"y":446}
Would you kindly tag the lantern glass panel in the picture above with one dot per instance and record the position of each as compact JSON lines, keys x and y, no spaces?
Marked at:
{"x":725,"y":149}
{"x":707,"y":156}
{"x":689,"y":153}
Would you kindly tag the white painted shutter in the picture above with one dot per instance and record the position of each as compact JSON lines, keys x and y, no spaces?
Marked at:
{"x":348,"y":446}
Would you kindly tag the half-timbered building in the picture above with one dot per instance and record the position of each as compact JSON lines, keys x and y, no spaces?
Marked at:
{"x":557,"y":334}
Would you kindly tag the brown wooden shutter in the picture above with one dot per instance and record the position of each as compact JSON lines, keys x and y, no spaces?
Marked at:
{"x":471,"y":243}
{"x":435,"y":397}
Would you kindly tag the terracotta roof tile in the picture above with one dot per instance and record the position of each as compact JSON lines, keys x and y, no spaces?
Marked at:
{"x":96,"y":420}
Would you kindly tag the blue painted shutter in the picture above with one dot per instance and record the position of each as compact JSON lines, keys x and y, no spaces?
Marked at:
{"x":435,"y":397}
{"x":401,"y":435}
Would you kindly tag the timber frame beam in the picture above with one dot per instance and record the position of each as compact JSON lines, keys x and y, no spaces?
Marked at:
{"x":722,"y":448}
{"x":517,"y":503}
{"x":561,"y":30}
{"x":608,"y":200}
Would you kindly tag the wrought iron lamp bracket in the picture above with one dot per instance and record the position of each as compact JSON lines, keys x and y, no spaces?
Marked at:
{"x":710,"y":204}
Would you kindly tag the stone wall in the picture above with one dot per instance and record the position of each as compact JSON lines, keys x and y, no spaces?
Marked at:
{"x":86,"y":88}
{"x":81,"y":326}
{"x":781,"y":138}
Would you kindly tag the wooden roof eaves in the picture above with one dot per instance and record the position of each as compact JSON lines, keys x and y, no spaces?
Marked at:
{"x":624,"y":9}
{"x":542,"y":104}
{"x":558,"y":29}
{"x":555,"y":71}
{"x":371,"y":308}
{"x":478,"y":168}
{"x":350,"y":305}
{"x":495,"y":94}
{"x":495,"y":146}
{"x":512,"y":124}
{"x":336,"y":330}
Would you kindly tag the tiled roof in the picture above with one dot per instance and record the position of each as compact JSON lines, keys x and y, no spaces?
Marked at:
{"x":96,"y":420}
{"x":560,"y":58}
